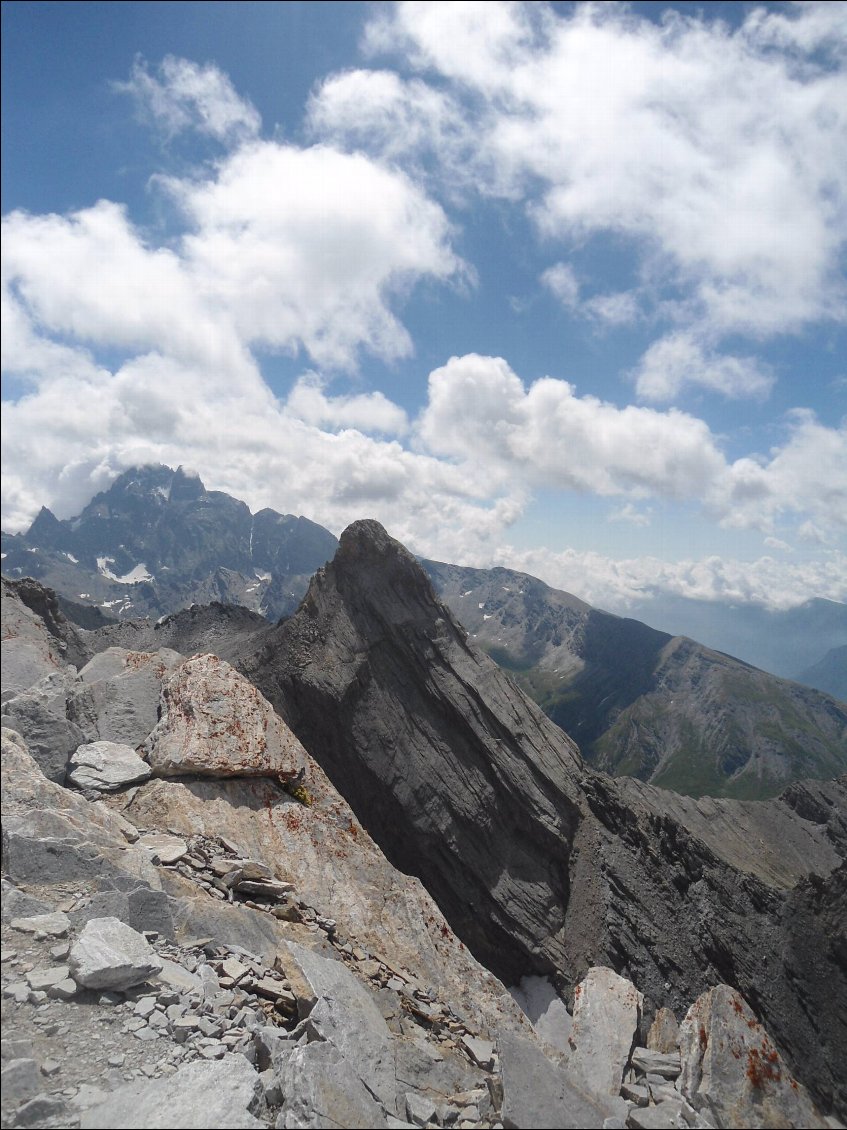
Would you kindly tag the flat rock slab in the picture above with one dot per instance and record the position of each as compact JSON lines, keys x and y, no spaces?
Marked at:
{"x":54,"y":925}
{"x":106,"y":766}
{"x":215,"y":724}
{"x":732,"y":1072}
{"x":538,"y":1092}
{"x":667,"y":1115}
{"x":666,"y":1064}
{"x":606,"y":1014}
{"x":210,"y":1095}
{"x":322,"y":1089}
{"x":111,"y":955}
{"x":167,"y":849}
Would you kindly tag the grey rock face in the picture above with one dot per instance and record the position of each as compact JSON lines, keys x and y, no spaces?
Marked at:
{"x":37,"y":639}
{"x":111,"y":955}
{"x":199,"y":1096}
{"x":538,"y":1092}
{"x":486,"y":783}
{"x":345,"y":1015}
{"x":39,"y":715}
{"x":118,"y":696}
{"x":106,"y":766}
{"x":213,"y":723}
{"x":321,"y":1089}
{"x":540,"y":864}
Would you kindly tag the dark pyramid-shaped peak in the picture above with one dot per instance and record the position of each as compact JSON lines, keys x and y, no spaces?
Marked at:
{"x":371,"y":652}
{"x":46,"y":530}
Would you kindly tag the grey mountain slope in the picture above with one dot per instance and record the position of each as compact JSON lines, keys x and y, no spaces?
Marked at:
{"x":641,"y":702}
{"x":539,"y":863}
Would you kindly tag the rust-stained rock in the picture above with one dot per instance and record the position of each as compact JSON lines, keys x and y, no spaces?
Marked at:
{"x":215,"y":724}
{"x":732,"y":1072}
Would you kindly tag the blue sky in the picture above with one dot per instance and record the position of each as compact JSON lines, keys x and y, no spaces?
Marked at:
{"x":559,"y":287}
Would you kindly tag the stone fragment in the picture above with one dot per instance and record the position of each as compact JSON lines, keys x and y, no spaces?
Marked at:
{"x":218,"y":1095}
{"x":111,"y":955}
{"x":732,"y":1072}
{"x":177,"y":976}
{"x":606,"y":1013}
{"x":167,"y":849}
{"x":214,"y":723}
{"x":419,"y":1109}
{"x":21,"y":1081}
{"x":117,"y":698}
{"x":44,"y":979}
{"x":664,"y":1032}
{"x":106,"y":766}
{"x":669,"y":1114}
{"x":656,"y":1063}
{"x":234,"y":969}
{"x":480,"y":1051}
{"x":538,"y":1092}
{"x":322,"y":1089}
{"x":63,"y":990}
{"x":40,"y":1110}
{"x":54,"y":925}
{"x":635,"y":1093}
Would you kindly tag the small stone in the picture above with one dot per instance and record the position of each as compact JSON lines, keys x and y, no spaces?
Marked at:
{"x":116,"y":1060}
{"x":111,"y":955}
{"x":50,"y":1067}
{"x":63,"y":990}
{"x":634,"y":1093}
{"x":39,"y":1110}
{"x":20,"y":1081}
{"x":419,"y":1109}
{"x":61,"y":951}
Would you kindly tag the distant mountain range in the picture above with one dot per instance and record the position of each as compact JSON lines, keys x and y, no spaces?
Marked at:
{"x":638,"y":701}
{"x":789,"y":642}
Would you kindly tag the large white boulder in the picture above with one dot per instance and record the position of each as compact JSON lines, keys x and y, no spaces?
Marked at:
{"x":215,"y":724}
